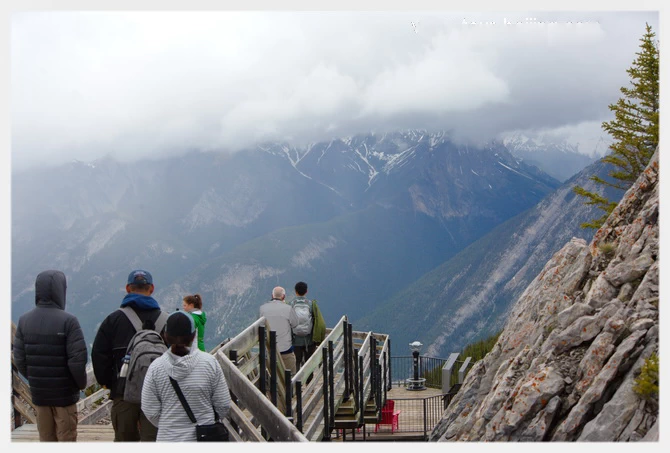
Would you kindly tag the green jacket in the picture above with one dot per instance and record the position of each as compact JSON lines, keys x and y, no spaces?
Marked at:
{"x":199,"y":318}
{"x":319,"y":326}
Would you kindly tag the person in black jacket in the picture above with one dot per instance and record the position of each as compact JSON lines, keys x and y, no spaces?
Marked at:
{"x":50,"y":351}
{"x":109,"y":348}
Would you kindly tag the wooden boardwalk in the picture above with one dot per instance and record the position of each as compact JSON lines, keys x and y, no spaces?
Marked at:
{"x":85,"y":433}
{"x":410,"y":420}
{"x":349,"y":362}
{"x":402,"y":392}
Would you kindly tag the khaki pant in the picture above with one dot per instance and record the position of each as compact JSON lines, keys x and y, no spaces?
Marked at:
{"x":130,"y":424}
{"x":289,"y":362}
{"x":57,"y":424}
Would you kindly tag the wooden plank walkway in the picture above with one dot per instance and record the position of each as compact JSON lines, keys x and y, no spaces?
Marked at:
{"x":410,"y":420}
{"x":85,"y":433}
{"x":411,"y":417}
{"x":402,"y":392}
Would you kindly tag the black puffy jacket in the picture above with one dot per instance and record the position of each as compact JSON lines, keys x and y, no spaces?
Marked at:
{"x":49,"y":347}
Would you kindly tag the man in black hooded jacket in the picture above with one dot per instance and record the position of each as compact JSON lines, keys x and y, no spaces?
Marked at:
{"x":49,"y":350}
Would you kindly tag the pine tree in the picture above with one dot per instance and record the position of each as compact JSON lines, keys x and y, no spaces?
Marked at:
{"x":635,"y":128}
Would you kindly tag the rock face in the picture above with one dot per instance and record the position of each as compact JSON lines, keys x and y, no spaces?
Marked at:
{"x":564,"y":367}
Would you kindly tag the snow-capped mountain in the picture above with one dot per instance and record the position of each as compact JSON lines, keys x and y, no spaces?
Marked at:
{"x":558,"y":158}
{"x":358,"y":218}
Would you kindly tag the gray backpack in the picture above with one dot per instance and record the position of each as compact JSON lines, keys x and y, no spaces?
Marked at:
{"x":144,"y":347}
{"x":304,"y":312}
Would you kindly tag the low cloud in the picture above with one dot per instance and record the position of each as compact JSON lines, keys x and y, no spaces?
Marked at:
{"x":147,"y":84}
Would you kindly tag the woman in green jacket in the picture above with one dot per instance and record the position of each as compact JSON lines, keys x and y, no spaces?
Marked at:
{"x":193,"y":305}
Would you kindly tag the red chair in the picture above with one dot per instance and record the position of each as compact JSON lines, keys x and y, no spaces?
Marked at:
{"x":389,"y":416}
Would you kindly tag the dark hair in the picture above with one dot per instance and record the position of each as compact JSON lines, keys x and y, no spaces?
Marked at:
{"x":194,"y":300}
{"x":139,"y":287}
{"x":179,"y":344}
{"x":301,"y":288}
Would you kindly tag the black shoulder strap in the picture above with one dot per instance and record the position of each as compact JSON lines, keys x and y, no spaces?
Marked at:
{"x":181,"y":397}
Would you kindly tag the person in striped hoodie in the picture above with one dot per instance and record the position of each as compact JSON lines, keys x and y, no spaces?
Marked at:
{"x":199,"y":376}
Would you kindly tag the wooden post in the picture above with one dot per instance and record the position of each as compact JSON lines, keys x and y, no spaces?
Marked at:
{"x":17,"y":415}
{"x":18,"y":419}
{"x":346,"y":362}
{"x":331,"y":383}
{"x":390,"y":371}
{"x":373,"y":369}
{"x":273,"y":367}
{"x":386,"y":375}
{"x":298,"y":404}
{"x":354,"y":381}
{"x":379,"y":389}
{"x":262,"y":369}
{"x":361,"y":397}
{"x":326,"y":403}
{"x":289,"y":394}
{"x":261,"y":358}
{"x":233,"y":358}
{"x":352,"y":359}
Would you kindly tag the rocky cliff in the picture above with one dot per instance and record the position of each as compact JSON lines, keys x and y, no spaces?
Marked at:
{"x":564,"y":368}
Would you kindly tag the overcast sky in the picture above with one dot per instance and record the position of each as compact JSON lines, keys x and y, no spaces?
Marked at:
{"x":138,"y":84}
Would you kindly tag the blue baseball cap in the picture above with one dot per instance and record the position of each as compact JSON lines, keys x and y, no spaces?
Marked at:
{"x":140,"y":277}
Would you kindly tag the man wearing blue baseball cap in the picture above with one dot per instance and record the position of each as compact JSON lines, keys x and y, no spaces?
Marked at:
{"x":109,"y":348}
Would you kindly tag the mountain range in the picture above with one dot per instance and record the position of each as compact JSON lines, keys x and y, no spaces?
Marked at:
{"x":560,"y":159}
{"x":360,"y":219}
{"x":469,"y":296}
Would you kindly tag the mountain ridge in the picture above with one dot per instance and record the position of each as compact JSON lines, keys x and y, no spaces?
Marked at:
{"x":97,"y":221}
{"x":565,"y":365}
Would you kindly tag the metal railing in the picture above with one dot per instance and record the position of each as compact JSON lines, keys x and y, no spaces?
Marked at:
{"x":430,"y":368}
{"x":417,"y":415}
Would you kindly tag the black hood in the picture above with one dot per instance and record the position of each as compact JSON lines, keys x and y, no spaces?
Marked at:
{"x":50,"y":289}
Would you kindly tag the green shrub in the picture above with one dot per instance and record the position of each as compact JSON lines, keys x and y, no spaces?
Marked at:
{"x":646,"y":384}
{"x":606,"y":248}
{"x":479,"y":349}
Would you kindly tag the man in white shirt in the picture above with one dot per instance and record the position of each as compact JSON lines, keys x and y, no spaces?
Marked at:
{"x":282,"y":319}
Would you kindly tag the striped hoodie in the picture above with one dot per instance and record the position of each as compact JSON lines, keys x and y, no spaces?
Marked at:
{"x":201,"y":380}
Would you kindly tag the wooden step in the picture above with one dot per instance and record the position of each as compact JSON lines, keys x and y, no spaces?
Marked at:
{"x":347,"y":422}
{"x":370,"y":418}
{"x":85,"y":433}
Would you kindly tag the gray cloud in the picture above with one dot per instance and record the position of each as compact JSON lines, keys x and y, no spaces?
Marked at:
{"x":142,"y":84}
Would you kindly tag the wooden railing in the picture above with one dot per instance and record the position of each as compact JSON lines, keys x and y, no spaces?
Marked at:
{"x":251,"y":373}
{"x":269,"y":404}
{"x":318,"y":392}
{"x":91,"y":409}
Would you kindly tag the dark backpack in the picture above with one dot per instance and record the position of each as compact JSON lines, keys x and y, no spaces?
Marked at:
{"x":144,"y":347}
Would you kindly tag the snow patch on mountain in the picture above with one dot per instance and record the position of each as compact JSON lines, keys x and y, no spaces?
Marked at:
{"x":513,"y":170}
{"x":398,"y":160}
{"x":372,"y":171}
